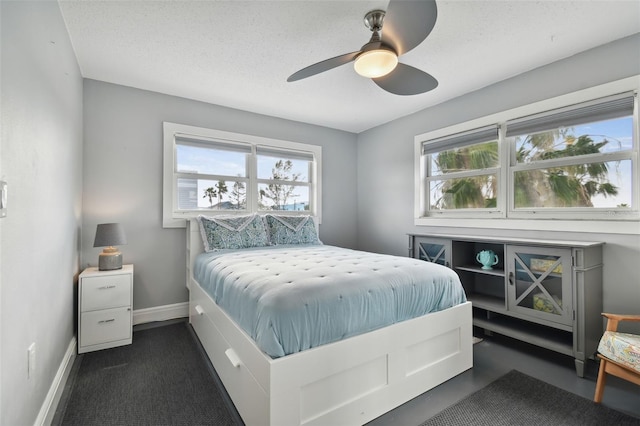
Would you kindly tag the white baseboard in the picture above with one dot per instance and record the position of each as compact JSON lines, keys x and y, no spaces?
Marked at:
{"x":50,"y":404}
{"x":140,"y":316}
{"x":161,"y":313}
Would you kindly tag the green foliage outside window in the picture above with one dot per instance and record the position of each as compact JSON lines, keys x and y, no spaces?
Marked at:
{"x":469,"y":192}
{"x":564,"y":186}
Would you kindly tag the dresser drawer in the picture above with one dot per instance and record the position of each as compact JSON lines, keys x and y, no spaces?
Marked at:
{"x":103,"y":292}
{"x":105,"y":326}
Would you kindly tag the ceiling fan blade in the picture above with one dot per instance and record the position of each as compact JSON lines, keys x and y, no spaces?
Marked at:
{"x":408,"y":23}
{"x":323,"y":66}
{"x":406,"y":80}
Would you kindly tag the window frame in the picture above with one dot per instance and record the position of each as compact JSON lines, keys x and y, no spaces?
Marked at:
{"x":438,"y":145}
{"x":188,"y":140}
{"x":172,"y":217}
{"x":578,"y":213}
{"x":289,"y":154}
{"x":604,"y":220}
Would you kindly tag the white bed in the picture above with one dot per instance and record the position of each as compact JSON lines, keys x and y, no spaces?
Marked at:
{"x":352,"y":381}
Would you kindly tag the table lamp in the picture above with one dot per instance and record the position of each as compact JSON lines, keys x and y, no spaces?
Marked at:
{"x":109,"y":235}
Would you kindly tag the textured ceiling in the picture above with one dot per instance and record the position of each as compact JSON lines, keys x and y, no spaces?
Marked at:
{"x":239,"y":53}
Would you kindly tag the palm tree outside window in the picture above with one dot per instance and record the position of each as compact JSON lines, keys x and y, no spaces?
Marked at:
{"x":567,"y":163}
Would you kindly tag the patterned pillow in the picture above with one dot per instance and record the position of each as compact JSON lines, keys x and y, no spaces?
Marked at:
{"x":232,"y":232}
{"x":291,"y":230}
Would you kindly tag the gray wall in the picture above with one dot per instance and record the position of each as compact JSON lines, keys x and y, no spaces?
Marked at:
{"x":123,"y":178}
{"x":41,"y":159}
{"x":48,"y":235}
{"x":386,"y":156}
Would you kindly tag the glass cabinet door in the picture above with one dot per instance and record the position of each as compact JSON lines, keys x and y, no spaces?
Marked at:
{"x":433,"y":250}
{"x":540,"y":283}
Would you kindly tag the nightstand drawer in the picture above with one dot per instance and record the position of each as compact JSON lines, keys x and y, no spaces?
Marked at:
{"x":105,"y":326}
{"x":104,"y":292}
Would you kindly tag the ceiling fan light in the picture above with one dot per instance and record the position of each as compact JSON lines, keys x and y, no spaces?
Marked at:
{"x":375,"y":63}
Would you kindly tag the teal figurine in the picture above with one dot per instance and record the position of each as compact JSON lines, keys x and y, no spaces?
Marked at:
{"x":487,"y":258}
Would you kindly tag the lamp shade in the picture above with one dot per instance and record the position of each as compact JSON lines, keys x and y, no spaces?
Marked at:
{"x":375,"y":63}
{"x":109,"y":234}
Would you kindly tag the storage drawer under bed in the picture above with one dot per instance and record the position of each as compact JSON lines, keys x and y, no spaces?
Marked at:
{"x":236,"y":377}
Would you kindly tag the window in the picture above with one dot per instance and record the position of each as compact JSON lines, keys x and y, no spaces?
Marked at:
{"x":283,"y":179}
{"x":463,"y":171}
{"x":210,"y":174}
{"x":213,"y":172}
{"x":574,"y":162}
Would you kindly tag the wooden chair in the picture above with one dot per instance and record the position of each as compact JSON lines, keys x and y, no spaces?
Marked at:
{"x":612,"y":357}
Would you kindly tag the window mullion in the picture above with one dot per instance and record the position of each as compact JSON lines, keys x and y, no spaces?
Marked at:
{"x":204,"y":176}
{"x":425,"y":193}
{"x":252,"y":187}
{"x":573,"y":161}
{"x":312,"y":186}
{"x":284,"y":182}
{"x":504,"y":183}
{"x":465,"y":174}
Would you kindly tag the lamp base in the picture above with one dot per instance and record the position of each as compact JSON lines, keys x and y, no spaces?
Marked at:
{"x":110,"y":259}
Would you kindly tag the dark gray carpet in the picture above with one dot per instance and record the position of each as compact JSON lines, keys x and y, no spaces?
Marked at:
{"x":160,"y":379}
{"x":518,"y":399}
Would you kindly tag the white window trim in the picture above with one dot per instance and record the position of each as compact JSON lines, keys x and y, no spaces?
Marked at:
{"x":171,"y":218}
{"x":621,"y":224}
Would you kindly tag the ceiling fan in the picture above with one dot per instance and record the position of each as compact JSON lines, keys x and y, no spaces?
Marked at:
{"x":406,"y":25}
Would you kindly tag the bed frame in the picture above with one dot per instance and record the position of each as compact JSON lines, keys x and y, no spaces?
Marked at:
{"x":348,"y":382}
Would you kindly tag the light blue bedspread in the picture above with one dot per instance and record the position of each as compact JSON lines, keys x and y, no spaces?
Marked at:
{"x":292,"y":298}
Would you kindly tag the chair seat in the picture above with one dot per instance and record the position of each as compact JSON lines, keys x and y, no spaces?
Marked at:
{"x":622,"y":348}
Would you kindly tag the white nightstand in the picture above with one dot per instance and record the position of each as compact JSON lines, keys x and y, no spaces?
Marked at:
{"x":105,"y":308}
